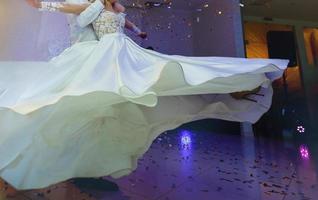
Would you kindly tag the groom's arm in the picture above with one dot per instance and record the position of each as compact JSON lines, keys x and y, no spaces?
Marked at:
{"x":58,"y":6}
{"x":87,"y":12}
{"x":90,"y":13}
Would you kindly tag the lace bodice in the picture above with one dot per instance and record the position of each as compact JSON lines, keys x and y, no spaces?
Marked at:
{"x":109,"y":22}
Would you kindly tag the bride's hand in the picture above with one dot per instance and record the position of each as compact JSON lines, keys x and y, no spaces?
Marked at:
{"x":34,"y":3}
{"x":143,"y":35}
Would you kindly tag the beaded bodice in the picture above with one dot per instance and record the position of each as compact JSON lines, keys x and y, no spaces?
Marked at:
{"x":109,"y":22}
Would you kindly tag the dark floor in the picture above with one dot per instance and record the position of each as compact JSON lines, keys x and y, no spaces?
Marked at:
{"x":189,"y":165}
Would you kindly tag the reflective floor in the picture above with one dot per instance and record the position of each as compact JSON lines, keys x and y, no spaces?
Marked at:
{"x":190,"y":165}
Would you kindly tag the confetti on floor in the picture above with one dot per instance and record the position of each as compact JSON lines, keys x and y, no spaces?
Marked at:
{"x":188,"y":164}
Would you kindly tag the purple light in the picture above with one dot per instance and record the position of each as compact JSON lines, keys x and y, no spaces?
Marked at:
{"x":186,"y":138}
{"x":185,"y":143}
{"x":304,"y":152}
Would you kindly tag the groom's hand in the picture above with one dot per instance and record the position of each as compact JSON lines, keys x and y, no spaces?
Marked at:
{"x":34,"y":3}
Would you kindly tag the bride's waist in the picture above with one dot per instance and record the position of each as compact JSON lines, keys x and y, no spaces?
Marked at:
{"x":115,"y":34}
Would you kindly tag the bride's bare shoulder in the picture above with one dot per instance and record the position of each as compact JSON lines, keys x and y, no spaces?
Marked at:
{"x":119,"y":7}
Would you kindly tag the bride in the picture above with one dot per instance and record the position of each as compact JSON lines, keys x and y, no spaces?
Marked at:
{"x":96,"y":108}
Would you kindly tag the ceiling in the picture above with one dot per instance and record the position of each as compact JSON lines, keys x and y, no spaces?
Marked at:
{"x":306,"y":10}
{"x":286,"y":9}
{"x":174,"y":4}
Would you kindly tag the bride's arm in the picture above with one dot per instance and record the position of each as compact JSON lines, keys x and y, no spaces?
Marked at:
{"x":58,"y":6}
{"x":132,"y":27}
{"x":128,"y":24}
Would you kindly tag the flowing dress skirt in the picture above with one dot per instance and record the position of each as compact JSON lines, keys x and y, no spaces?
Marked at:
{"x":96,"y":108}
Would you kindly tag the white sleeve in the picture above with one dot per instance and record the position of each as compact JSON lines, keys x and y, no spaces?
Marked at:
{"x":90,"y":13}
{"x":50,"y":6}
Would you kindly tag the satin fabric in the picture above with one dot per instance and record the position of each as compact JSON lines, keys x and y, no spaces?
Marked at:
{"x":96,"y":108}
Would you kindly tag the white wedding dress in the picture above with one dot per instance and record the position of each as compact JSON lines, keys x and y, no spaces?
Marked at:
{"x":96,"y":108}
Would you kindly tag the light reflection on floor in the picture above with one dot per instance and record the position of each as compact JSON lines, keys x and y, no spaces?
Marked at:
{"x":190,"y":165}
